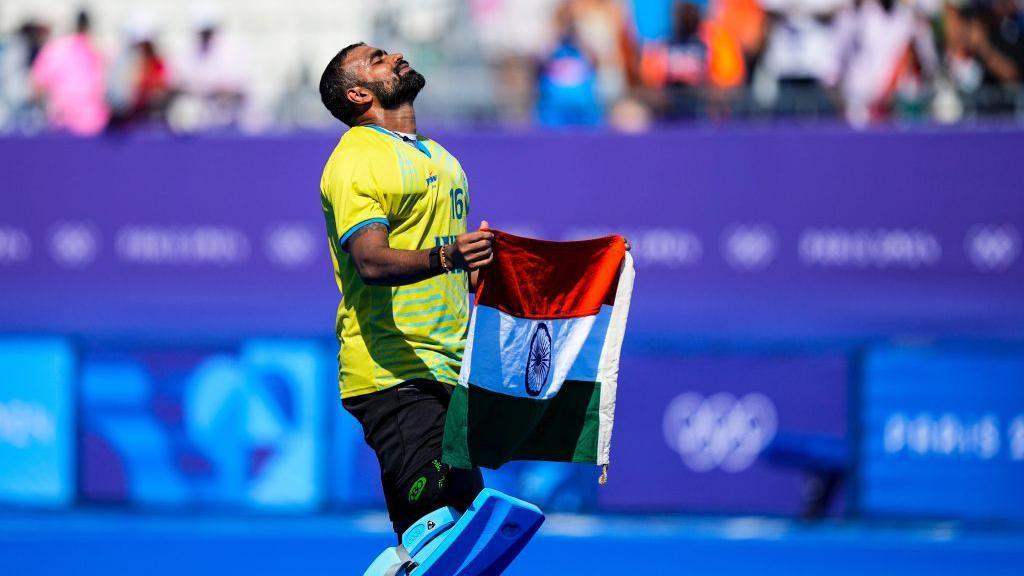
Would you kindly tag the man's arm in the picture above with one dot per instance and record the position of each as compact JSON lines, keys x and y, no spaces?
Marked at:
{"x":1001,"y":66}
{"x":381,"y":265}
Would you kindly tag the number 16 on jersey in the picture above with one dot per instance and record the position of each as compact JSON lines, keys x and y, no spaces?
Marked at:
{"x":457,"y":204}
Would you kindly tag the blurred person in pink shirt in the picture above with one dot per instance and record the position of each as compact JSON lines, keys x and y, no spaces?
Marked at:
{"x":69,"y":75}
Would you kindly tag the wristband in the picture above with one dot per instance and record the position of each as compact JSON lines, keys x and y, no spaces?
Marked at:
{"x":434,"y":258}
{"x":443,"y":254}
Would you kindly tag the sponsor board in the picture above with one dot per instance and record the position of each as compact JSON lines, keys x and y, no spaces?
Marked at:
{"x":691,"y":432}
{"x":836,"y":250}
{"x":36,"y":422}
{"x":229,"y":428}
{"x":861,"y":248}
{"x":942,"y":434}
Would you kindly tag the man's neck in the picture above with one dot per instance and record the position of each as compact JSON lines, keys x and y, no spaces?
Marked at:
{"x":401,"y":119}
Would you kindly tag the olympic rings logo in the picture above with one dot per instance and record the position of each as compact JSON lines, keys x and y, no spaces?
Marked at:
{"x":720,"y":431}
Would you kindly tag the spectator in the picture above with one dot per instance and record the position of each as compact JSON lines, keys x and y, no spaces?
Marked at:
{"x":688,"y":54}
{"x":681,"y":64}
{"x":69,"y":75}
{"x":888,"y":55}
{"x":601,"y":26}
{"x":697,"y":56}
{"x":211,"y":77}
{"x":964,"y":71}
{"x":33,"y":36}
{"x":152,"y":86}
{"x":801,"y":62}
{"x":567,"y":83}
{"x":743,"y":21}
{"x":17,"y":54}
{"x":984,"y":53}
{"x":509,"y":36}
{"x":996,"y":37}
{"x":141,"y":89}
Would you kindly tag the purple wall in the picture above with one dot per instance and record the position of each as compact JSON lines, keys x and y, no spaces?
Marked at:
{"x":738,"y":234}
{"x":691,"y":432}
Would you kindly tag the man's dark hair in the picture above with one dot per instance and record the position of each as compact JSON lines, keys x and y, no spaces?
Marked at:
{"x":83,"y":23}
{"x":335,"y":83}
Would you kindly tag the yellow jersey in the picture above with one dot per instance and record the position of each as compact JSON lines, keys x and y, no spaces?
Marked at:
{"x":386,"y":334}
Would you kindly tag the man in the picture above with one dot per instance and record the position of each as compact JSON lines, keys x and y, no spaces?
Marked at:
{"x":69,"y":74}
{"x":800,"y":63}
{"x":212,"y":74}
{"x":396,"y":205}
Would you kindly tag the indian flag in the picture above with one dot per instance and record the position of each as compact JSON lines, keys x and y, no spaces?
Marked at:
{"x":541,"y":364}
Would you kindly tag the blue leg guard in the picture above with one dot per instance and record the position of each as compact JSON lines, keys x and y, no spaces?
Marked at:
{"x":483,"y":541}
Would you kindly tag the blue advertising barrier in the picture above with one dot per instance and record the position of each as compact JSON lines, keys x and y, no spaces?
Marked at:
{"x":942,"y":434}
{"x":217,"y":428}
{"x":691,"y":431}
{"x":749,"y":233}
{"x":36,"y":422}
{"x":354,"y":473}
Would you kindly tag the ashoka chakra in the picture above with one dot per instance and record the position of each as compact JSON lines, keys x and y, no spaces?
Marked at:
{"x":538,"y":363}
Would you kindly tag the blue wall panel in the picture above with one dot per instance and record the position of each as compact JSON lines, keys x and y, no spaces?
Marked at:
{"x":943,"y":434}
{"x":37,"y":423}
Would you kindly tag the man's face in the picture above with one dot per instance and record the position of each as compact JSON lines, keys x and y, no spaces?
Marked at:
{"x":390,"y":78}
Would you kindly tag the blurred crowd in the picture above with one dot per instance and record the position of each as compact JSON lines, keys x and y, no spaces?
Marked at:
{"x":867,"y":61}
{"x":67,"y":83}
{"x":553,"y":62}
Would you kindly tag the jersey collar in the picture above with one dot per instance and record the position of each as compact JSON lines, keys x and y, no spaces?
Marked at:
{"x":419,"y":145}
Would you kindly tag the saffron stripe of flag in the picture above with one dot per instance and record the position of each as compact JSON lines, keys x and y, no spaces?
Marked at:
{"x":540,"y":369}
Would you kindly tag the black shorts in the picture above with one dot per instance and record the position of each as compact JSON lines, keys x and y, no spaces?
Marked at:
{"x":404,"y":425}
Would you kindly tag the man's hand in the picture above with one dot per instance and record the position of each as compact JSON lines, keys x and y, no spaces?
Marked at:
{"x":472,"y":250}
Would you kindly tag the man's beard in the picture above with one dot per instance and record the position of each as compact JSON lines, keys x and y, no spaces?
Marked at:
{"x":403,"y":91}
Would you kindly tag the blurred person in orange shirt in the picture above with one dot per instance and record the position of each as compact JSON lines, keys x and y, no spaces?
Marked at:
{"x":68,"y":74}
{"x":742,"y":23}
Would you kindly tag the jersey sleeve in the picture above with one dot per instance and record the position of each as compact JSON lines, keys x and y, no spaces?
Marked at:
{"x":356,"y":201}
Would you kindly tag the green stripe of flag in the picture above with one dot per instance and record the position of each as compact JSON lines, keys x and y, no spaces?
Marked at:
{"x":487,"y":428}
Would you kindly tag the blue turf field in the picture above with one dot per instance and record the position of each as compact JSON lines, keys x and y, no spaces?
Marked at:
{"x":116,"y":544}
